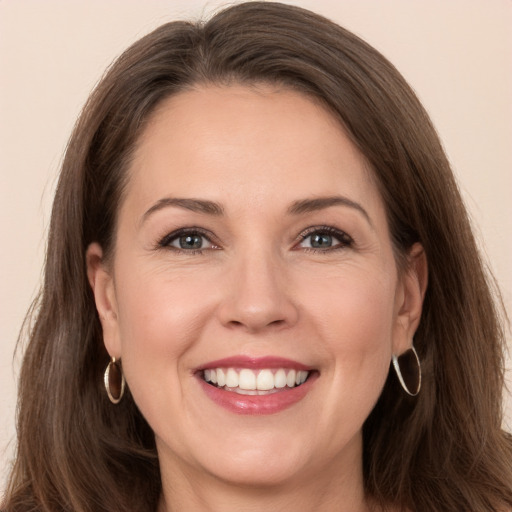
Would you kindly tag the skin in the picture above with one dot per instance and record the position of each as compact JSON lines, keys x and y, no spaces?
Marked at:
{"x":257,"y":288}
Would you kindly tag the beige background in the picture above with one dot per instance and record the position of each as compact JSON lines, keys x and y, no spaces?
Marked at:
{"x":457,"y":54}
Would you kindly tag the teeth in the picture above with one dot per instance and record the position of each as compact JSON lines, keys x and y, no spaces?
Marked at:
{"x":265,"y":380}
{"x":231,"y":378}
{"x":247,"y":380}
{"x":290,"y":378}
{"x":301,"y":377}
{"x":250,"y":382}
{"x":280,"y":379}
{"x":221,"y":377}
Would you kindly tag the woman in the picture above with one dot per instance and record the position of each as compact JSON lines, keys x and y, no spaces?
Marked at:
{"x":256,"y":217}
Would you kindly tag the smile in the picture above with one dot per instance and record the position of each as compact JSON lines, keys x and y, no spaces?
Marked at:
{"x":246,"y":381}
{"x":256,"y":386}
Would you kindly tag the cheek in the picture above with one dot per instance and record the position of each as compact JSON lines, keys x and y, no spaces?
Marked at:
{"x":159,"y":317}
{"x":355,"y":308}
{"x":355,"y":316}
{"x":360,"y":341}
{"x":157,"y":307}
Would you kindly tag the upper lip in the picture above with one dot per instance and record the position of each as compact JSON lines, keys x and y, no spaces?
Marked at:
{"x":255,"y":363}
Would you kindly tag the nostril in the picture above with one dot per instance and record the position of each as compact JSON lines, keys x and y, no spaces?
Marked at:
{"x":253,"y":326}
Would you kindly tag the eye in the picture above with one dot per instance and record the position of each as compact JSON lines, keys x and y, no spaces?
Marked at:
{"x":187,"y":240}
{"x":324,"y":239}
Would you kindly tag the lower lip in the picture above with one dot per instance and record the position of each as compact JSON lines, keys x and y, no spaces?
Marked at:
{"x":258,"y":404}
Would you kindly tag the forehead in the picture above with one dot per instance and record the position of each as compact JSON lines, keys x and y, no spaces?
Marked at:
{"x":262,"y":143}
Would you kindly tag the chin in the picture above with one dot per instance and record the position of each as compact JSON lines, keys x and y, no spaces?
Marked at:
{"x":258,"y":474}
{"x":268,"y":459}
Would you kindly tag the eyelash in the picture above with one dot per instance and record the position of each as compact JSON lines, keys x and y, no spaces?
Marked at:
{"x":165,"y":242}
{"x":345,"y":240}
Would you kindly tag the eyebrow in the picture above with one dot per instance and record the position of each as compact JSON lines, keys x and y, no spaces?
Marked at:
{"x":194,"y":205}
{"x":297,"y":208}
{"x":320,"y":203}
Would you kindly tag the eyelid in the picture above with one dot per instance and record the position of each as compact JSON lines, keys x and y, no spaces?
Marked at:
{"x":342,"y":236}
{"x":165,"y":241}
{"x":344,"y":239}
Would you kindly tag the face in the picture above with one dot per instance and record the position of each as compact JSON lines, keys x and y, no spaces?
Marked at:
{"x":253,"y":295}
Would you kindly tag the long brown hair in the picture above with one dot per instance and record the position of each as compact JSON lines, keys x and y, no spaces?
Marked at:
{"x":441,"y":451}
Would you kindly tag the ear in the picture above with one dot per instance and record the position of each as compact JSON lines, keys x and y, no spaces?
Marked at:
{"x":102,"y":284}
{"x":409,"y":299}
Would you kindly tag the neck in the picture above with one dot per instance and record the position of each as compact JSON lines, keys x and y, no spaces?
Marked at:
{"x":278,"y":499}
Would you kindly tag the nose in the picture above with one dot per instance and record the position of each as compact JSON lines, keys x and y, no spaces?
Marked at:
{"x":258,"y":296}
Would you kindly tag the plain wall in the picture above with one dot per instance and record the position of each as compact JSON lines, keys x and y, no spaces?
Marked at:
{"x":457,"y":55}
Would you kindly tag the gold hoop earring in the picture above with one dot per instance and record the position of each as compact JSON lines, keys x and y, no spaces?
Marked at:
{"x":408,"y":370}
{"x":114,"y":381}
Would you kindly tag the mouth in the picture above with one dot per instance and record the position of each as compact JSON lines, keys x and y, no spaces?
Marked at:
{"x":256,"y":386}
{"x":255,"y":382}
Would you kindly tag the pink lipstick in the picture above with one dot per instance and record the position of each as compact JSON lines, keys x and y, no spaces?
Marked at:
{"x":264,"y":385}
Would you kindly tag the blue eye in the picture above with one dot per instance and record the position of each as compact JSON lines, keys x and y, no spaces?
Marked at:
{"x":320,"y":240}
{"x":187,"y":240}
{"x":324,"y":239}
